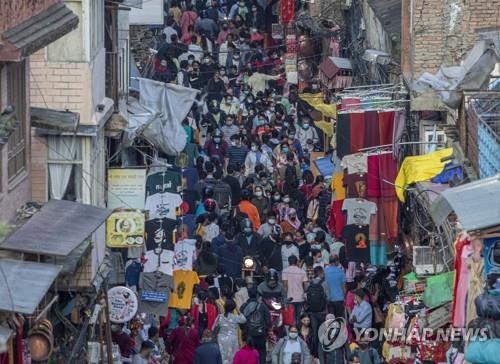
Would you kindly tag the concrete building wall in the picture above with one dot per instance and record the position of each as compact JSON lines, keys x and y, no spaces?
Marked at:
{"x":13,"y":12}
{"x":443,"y":31}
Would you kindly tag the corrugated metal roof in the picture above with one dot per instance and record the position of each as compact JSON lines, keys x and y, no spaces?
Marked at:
{"x":24,"y":284}
{"x":476,"y":204}
{"x":41,"y":29}
{"x":343,"y":63}
{"x":57,"y":229}
{"x":389,"y":14}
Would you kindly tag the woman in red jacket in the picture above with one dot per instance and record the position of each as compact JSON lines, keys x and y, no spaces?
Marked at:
{"x":183,"y":341}
{"x":247,"y":354}
{"x":203,"y":314}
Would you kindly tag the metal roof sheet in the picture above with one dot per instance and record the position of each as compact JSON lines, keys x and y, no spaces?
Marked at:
{"x":57,"y":229}
{"x":389,"y":14}
{"x":24,"y":284}
{"x":476,"y":204}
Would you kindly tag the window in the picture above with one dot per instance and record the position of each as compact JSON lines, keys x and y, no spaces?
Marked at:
{"x":436,"y":139}
{"x":16,"y":145}
{"x":96,"y":26}
{"x":65,"y":168}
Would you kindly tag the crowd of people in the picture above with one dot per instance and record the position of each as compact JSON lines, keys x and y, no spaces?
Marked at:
{"x":271,"y":271}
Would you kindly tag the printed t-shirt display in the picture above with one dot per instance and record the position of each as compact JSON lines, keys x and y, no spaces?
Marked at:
{"x":355,"y":163}
{"x":160,"y":182}
{"x":343,"y":135}
{"x":357,"y":243}
{"x":359,"y":210}
{"x":161,"y":205}
{"x":372,"y":138}
{"x":185,"y":254}
{"x":159,"y":233}
{"x":357,"y":131}
{"x":184,"y":281}
{"x":155,"y":288}
{"x":356,"y":185}
{"x":159,"y":260}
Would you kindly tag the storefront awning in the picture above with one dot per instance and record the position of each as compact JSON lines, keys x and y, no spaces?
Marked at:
{"x":24,"y":284}
{"x":37,"y":32}
{"x":57,"y":229}
{"x":476,"y":204}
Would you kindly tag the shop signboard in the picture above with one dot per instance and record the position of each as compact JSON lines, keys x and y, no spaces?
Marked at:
{"x":125,"y":228}
{"x":123,"y":304}
{"x":277,"y":31}
{"x":153,"y":296}
{"x":126,"y":188}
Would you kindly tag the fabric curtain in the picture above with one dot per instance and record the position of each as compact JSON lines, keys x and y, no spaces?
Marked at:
{"x":60,"y":148}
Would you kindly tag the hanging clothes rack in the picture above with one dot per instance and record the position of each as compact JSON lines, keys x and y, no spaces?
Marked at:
{"x":378,"y":102}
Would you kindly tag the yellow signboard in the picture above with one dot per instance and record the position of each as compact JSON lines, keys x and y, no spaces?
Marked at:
{"x":125,"y":228}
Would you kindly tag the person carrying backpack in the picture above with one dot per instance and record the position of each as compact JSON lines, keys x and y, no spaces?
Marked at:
{"x":316,"y":299}
{"x":366,"y":354}
{"x":258,"y":321}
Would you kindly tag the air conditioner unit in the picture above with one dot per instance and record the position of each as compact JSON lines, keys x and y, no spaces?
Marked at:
{"x":424,"y":258}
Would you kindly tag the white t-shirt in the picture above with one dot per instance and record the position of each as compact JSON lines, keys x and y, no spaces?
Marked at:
{"x":291,"y":346}
{"x":355,"y":163}
{"x":359,"y":210}
{"x":185,"y":254}
{"x":288,"y":252}
{"x":162,"y":205}
{"x":159,"y":260}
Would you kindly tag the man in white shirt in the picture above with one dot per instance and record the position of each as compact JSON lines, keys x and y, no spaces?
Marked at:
{"x":169,"y":30}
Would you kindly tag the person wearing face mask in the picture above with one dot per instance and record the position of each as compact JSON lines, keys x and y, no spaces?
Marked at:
{"x":216,"y":88}
{"x":260,"y":201}
{"x":229,"y":107}
{"x":237,"y":152}
{"x":216,"y":147}
{"x":266,"y":183}
{"x":255,"y":157}
{"x":256,"y":18}
{"x":288,"y":249}
{"x":203,"y":313}
{"x":248,"y":240}
{"x":229,"y":129}
{"x":290,"y":223}
{"x":288,"y":346}
{"x":365,"y":353}
{"x":307,"y":135}
{"x":267,"y":227}
{"x":258,"y":81}
{"x":361,"y":315}
{"x":240,"y":8}
{"x":223,"y":34}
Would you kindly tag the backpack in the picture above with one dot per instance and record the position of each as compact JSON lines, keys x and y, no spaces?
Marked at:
{"x":238,"y":217}
{"x":316,"y":297}
{"x":255,"y":324}
{"x":222,"y":194}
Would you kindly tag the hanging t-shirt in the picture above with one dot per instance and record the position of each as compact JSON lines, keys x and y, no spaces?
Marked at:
{"x":356,"y":185}
{"x":359,"y":210}
{"x":338,"y":185}
{"x":357,"y":243}
{"x":184,"y":281}
{"x":155,"y":289}
{"x":159,"y":234}
{"x":163,"y":205}
{"x":159,"y":260}
{"x":357,"y":131}
{"x":132,"y":273}
{"x":185,"y":254}
{"x":343,"y":135}
{"x":161,"y":182}
{"x":355,"y":163}
{"x":371,"y":129}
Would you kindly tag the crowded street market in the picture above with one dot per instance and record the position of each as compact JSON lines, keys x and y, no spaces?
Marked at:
{"x":275,"y":189}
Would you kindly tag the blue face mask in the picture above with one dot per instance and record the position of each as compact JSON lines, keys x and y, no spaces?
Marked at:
{"x":305,"y":126}
{"x":285,"y":150}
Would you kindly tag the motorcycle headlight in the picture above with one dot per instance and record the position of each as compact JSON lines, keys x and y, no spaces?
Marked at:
{"x":248,"y":263}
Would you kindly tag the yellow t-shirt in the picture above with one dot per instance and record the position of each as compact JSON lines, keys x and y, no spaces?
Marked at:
{"x":338,"y":186}
{"x":184,"y":281}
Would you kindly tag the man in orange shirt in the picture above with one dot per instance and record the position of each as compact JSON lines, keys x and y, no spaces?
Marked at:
{"x":248,"y":208}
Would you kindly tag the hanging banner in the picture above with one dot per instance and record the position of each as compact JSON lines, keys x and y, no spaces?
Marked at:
{"x":123,"y":304}
{"x":277,"y":31}
{"x":125,"y":228}
{"x":291,"y":43}
{"x":287,"y":11}
{"x":126,"y":188}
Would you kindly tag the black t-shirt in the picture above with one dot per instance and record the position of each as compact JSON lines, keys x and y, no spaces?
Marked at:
{"x":235,"y":189}
{"x":357,"y":243}
{"x":159,"y":232}
{"x":271,"y":254}
{"x":304,"y":250}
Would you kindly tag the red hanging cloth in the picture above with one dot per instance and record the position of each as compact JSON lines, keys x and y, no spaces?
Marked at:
{"x":287,"y":11}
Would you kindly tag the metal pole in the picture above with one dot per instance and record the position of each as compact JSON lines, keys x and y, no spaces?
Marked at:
{"x":109,"y":339}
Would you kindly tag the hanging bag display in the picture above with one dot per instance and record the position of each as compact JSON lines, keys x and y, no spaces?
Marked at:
{"x":439,"y":289}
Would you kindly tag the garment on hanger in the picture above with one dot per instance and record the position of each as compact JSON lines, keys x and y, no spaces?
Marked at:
{"x":338,"y":186}
{"x":342,"y":135}
{"x":371,"y":129}
{"x":357,"y":131}
{"x":382,"y":172}
{"x":155,"y":288}
{"x":165,"y":181}
{"x":351,"y":103}
{"x":163,"y":205}
{"x":159,"y":233}
{"x":337,"y":219}
{"x":159,"y":260}
{"x":184,"y":281}
{"x":460,"y":286}
{"x":356,"y":185}
{"x":358,"y":210}
{"x":476,"y":283}
{"x":357,"y":243}
{"x":355,"y":163}
{"x":386,"y":127}
{"x":399,"y":127}
{"x":378,"y":252}
{"x":384,"y":224}
{"x":185,"y":254}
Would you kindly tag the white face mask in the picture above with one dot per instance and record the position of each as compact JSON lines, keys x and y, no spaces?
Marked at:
{"x":286,"y":200}
{"x":293,"y":335}
{"x":258,"y":193}
{"x":254,"y":148}
{"x":271,"y":221}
